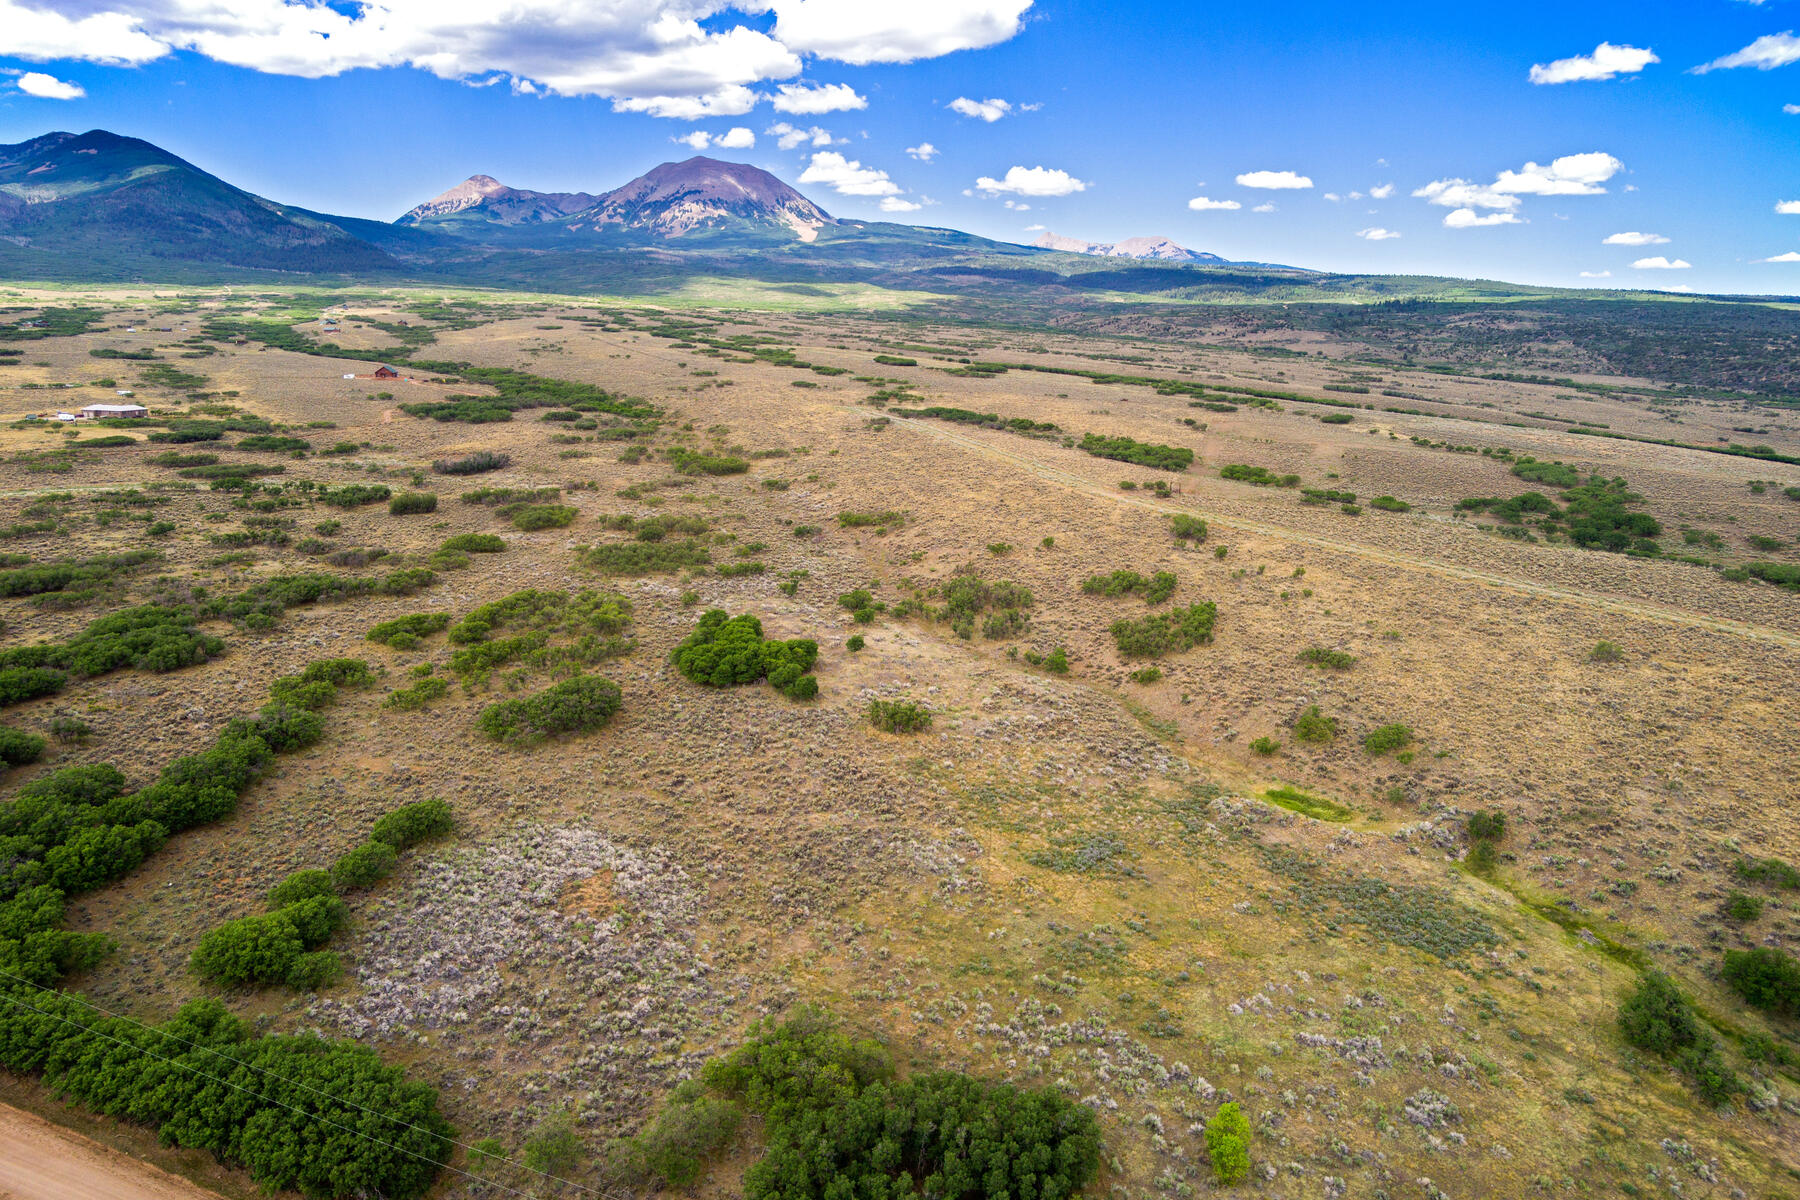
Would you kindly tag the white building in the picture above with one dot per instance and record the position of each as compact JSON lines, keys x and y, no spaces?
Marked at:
{"x":91,"y":412}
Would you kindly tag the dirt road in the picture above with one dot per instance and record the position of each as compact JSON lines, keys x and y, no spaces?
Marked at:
{"x":42,"y":1161}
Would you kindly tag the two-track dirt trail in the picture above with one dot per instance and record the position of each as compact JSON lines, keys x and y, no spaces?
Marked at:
{"x":1634,"y":608}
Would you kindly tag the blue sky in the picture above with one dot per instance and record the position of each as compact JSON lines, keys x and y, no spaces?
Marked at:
{"x":1428,"y":146}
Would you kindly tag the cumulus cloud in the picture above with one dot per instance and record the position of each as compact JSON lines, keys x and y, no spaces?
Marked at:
{"x":1376,"y":235}
{"x":847,"y":177}
{"x":1275,"y":181}
{"x":686,"y":59}
{"x":1033,"y":181}
{"x":788,"y":136}
{"x":1460,"y":193}
{"x":1468,"y":218}
{"x":698,"y":140}
{"x":1659,"y":263}
{"x":924,"y":151}
{"x":801,"y":100}
{"x":1788,"y":208}
{"x":1382,"y":192}
{"x":987,"y":110}
{"x":1792,"y":110}
{"x":1636,"y":239}
{"x":894,"y":204}
{"x":1596,"y":274}
{"x":1765,"y":54}
{"x":1606,"y":62}
{"x":736,"y":138}
{"x":1265,"y":207}
{"x":1792,"y":256}
{"x":1571,"y":175}
{"x":1206,"y":204}
{"x":859,"y":32}
{"x":49,"y":87}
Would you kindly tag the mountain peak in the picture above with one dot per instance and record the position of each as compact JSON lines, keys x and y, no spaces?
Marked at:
{"x":674,"y":198}
{"x":1161,"y":248}
{"x":498,"y":202}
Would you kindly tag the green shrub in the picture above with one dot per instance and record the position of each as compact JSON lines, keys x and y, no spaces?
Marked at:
{"x":724,"y":651}
{"x":674,"y":1148}
{"x":1265,"y":746}
{"x":530,"y":517}
{"x":1057,"y":661}
{"x":475,"y":543}
{"x":1555,"y":474}
{"x":1165,"y":633}
{"x":1768,"y":870}
{"x":1320,"y":656}
{"x":474,"y":464}
{"x":314,"y":970}
{"x":1155,"y":589}
{"x":859,"y":520}
{"x":1390,"y":504}
{"x":688,"y":462}
{"x":1489,"y":825}
{"x":1146,"y":675}
{"x":413,"y":823}
{"x":1658,"y":1018}
{"x":363,"y":866}
{"x":1742,"y":908}
{"x":301,"y":885}
{"x":417,"y":696}
{"x":854,"y":642}
{"x":18,"y":748}
{"x":403,"y":633}
{"x":1186,"y":528}
{"x":577,"y":705}
{"x":1606,"y":652}
{"x":1145,"y":454}
{"x":1766,"y":978}
{"x":645,"y":558}
{"x":408,"y":503}
{"x":1228,"y":1144}
{"x":899,"y":716}
{"x":1314,"y":726}
{"x":354,"y":495}
{"x":1386,"y":739}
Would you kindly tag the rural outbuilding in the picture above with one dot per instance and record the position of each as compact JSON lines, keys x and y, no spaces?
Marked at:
{"x":93,"y":412}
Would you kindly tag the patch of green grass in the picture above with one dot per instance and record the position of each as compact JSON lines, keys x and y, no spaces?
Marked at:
{"x":1308,"y":805}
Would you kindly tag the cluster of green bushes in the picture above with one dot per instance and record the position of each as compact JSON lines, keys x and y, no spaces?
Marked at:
{"x":1166,"y":633}
{"x":320,"y":1117}
{"x":862,"y":520}
{"x":428,"y":687}
{"x":1186,"y":528}
{"x":1768,"y":870}
{"x":261,"y":605}
{"x":1312,"y":725}
{"x":964,"y":416}
{"x":690,"y":462}
{"x":473,"y":464}
{"x":1144,"y":454}
{"x":1657,"y":1017}
{"x":588,"y":624}
{"x":899,"y":716}
{"x":493,"y":497}
{"x":1487,"y":829}
{"x":1257,"y":476}
{"x":577,"y":705}
{"x":354,"y":495}
{"x":404,"y":633}
{"x":1326,"y":496}
{"x":532,"y":517}
{"x":724,"y":651}
{"x":862,"y":605}
{"x":516,"y":391}
{"x":1556,"y":474}
{"x":410,"y":503}
{"x":1322,"y":656}
{"x":269,"y":443}
{"x":645,"y":558}
{"x":1766,"y":977}
{"x":150,"y":637}
{"x":18,"y":748}
{"x":1390,"y":504}
{"x":657,"y":528}
{"x":1386,"y":739}
{"x":474,"y":543}
{"x":837,"y":1124}
{"x":82,"y":573}
{"x":1154,"y":589}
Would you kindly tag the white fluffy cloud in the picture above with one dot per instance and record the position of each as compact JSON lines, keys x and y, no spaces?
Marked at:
{"x":1596,"y":274}
{"x":1377,"y":235}
{"x":736,"y":138}
{"x":1606,"y":62}
{"x":924,"y":151}
{"x":847,"y":177}
{"x":1659,"y":263}
{"x":1460,"y":193}
{"x":1788,"y":208}
{"x":1792,"y":256}
{"x":1792,"y":110}
{"x":894,"y":204}
{"x":687,"y":59}
{"x":1275,"y":181}
{"x":987,"y":110}
{"x":1266,"y":207}
{"x":1636,"y":239}
{"x":1765,"y":54}
{"x":799,"y":99}
{"x":1033,"y":181}
{"x":1382,"y":192}
{"x":1571,"y":175}
{"x":49,"y":87}
{"x":788,"y":136}
{"x":1468,"y":218}
{"x":1207,"y":204}
{"x":860,"y":32}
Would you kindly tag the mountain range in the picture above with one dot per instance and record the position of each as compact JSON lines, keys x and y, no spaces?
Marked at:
{"x":101,"y":206}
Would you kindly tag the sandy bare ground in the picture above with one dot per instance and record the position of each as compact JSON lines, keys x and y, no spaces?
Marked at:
{"x":41,"y":1161}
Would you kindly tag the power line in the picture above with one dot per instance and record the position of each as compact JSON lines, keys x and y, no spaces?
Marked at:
{"x":607,"y":1195}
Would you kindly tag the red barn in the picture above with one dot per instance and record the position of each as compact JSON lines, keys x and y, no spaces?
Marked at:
{"x":386,"y":373}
